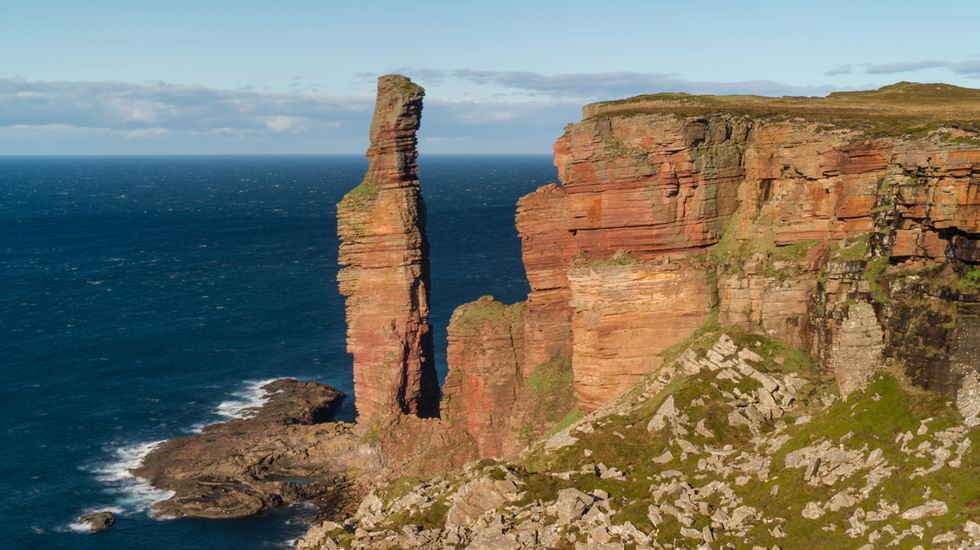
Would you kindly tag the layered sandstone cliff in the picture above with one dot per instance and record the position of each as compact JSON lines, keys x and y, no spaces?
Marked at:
{"x":809,"y":220}
{"x":820,"y":215}
{"x":708,"y":278}
{"x":671,"y":212}
{"x":385,"y":279}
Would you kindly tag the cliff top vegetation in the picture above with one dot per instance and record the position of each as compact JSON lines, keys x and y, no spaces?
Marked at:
{"x":901,"y":109}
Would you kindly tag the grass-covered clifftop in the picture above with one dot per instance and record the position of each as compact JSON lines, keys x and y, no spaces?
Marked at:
{"x":904,"y":108}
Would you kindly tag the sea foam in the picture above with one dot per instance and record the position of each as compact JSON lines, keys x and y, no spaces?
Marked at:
{"x":137,"y":495}
{"x":246,"y":401}
{"x":134,"y":494}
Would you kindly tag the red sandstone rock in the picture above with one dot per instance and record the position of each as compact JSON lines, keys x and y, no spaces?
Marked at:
{"x":664,"y":184}
{"x":547,"y":247}
{"x":625,"y":316}
{"x":649,"y":184}
{"x":485,"y":356}
{"x":385,"y":278}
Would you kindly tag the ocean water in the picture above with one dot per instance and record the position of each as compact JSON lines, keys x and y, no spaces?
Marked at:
{"x":142,"y":298}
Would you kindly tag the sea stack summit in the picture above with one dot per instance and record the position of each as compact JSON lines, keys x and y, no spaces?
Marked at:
{"x":385,"y":278}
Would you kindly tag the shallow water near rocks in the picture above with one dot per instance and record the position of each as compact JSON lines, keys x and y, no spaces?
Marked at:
{"x":147,"y":297}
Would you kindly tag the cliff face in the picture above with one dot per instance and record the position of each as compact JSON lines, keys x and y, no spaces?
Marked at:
{"x":813,"y":229}
{"x":385,"y":279}
{"x":671,"y":214}
{"x":708,"y":279}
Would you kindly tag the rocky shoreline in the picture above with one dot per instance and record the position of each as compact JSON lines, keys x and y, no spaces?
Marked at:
{"x":284,"y":452}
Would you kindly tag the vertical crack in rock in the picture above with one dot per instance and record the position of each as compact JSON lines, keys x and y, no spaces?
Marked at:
{"x":385,"y":278}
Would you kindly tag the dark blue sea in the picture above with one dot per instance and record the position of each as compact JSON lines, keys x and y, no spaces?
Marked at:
{"x":144,"y":297}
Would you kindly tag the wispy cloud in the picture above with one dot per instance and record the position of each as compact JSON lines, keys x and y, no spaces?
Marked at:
{"x":606,"y":85}
{"x":969,"y":69}
{"x":118,"y":117}
{"x":839,"y":70}
{"x":902,"y":67}
{"x":146,"y":109}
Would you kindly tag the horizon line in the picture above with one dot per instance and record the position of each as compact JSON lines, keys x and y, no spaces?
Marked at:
{"x":202,"y":155}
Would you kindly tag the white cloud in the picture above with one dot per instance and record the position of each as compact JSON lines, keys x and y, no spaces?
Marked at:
{"x":281,"y":123}
{"x":145,"y":133}
{"x":127,"y":107}
{"x":607,"y":85}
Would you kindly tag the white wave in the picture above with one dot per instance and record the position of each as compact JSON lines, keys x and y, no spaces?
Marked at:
{"x":79,"y":527}
{"x":85,"y":527}
{"x":134,"y":494}
{"x":245,"y":401}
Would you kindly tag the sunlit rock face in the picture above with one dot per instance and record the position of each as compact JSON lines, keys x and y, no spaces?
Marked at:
{"x":385,"y":278}
{"x":770,"y":203}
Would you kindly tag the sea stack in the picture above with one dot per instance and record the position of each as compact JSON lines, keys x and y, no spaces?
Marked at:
{"x":385,"y":278}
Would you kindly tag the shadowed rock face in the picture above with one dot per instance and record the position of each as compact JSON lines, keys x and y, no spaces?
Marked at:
{"x":385,"y":279}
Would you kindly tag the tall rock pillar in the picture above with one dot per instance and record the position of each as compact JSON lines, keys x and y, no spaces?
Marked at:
{"x":385,"y":278}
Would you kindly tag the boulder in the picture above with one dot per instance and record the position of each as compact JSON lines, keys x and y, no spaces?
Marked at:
{"x":98,"y":521}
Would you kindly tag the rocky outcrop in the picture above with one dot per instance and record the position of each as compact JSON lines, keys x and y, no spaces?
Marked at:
{"x":489,"y":394}
{"x":97,"y":521}
{"x":385,"y":279}
{"x":653,"y":188}
{"x":739,"y":442}
{"x":547,"y":247}
{"x":847,"y":227}
{"x":285,"y":452}
{"x":857,"y":348}
{"x":486,"y":364}
{"x":649,"y":184}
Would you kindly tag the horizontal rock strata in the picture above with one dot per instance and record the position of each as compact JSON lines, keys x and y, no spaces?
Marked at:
{"x":624,"y":317}
{"x":385,"y":279}
{"x":486,"y":354}
{"x":775,"y":201}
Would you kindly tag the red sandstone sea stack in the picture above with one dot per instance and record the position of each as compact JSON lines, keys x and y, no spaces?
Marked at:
{"x":385,"y":278}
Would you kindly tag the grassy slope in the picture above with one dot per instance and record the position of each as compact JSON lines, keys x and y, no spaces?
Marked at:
{"x":873,"y":417}
{"x":867,"y":420}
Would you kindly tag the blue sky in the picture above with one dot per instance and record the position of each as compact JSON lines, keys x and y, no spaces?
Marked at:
{"x":139,"y":77}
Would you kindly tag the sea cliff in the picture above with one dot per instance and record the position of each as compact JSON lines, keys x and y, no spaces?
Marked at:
{"x":731,"y":297}
{"x":752,"y":321}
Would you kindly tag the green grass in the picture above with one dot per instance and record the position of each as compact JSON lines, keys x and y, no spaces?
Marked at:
{"x":546,"y":401}
{"x":361,"y":196}
{"x":906,"y":109}
{"x":866,"y":420}
{"x":966,"y":140}
{"x":872,"y":419}
{"x":970,"y":281}
{"x":788,"y":257}
{"x":432,"y":516}
{"x":397,"y":488}
{"x":874,"y":273}
{"x":488,"y":310}
{"x":572,"y":417}
{"x":853,"y":249}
